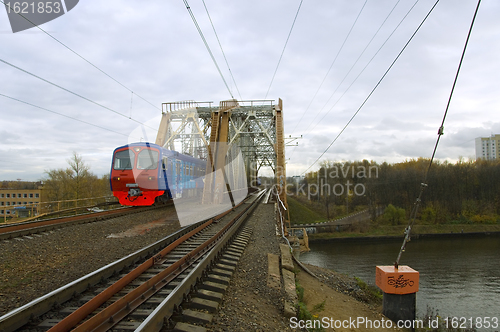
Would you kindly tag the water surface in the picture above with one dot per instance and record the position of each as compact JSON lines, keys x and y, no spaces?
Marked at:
{"x":459,"y":277}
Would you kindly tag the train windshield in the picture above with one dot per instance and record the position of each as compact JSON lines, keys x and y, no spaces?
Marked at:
{"x":147,"y":159}
{"x":124,"y":160}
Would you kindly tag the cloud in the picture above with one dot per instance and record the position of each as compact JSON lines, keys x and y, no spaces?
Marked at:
{"x":154,"y":50}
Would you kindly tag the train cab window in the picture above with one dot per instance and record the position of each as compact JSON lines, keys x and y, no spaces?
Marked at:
{"x":147,"y":159}
{"x":124,"y":160}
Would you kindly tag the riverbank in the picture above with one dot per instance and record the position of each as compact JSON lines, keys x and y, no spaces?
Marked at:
{"x":337,"y":300}
{"x":418,"y":231}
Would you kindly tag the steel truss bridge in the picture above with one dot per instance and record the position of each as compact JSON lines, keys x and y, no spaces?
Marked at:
{"x":235,"y":137}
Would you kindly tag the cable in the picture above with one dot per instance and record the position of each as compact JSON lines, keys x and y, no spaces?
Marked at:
{"x":423,"y":185}
{"x":362,"y":71}
{"x":90,"y":63}
{"x":352,"y":67}
{"x":74,"y":93}
{"x":206,"y":45}
{"x":376,"y":86}
{"x":284,"y":47}
{"x":224,"y":54}
{"x":67,"y":116}
{"x":333,"y":62}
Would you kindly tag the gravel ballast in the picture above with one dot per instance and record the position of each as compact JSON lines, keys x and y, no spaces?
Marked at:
{"x":33,"y":266}
{"x":249,"y":304}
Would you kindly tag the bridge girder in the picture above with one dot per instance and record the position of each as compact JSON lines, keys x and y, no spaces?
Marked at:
{"x":217,"y":134}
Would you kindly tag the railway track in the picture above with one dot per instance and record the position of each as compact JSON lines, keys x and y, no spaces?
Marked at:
{"x":14,"y":230}
{"x":157,"y":288}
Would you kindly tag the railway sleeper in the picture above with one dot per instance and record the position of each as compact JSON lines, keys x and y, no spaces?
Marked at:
{"x":209,"y":293}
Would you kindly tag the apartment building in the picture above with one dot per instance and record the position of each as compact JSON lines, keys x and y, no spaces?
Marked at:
{"x":488,"y":147}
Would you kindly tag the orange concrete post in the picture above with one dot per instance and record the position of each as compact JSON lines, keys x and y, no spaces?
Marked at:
{"x":400,"y":286}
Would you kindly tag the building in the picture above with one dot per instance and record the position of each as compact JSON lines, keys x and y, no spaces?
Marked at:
{"x":15,"y":201}
{"x":487,"y":148}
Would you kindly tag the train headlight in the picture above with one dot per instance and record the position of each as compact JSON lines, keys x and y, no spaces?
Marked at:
{"x":152,"y":178}
{"x":116,"y":178}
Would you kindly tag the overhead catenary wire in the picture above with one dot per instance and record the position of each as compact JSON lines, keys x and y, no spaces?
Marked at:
{"x":375,"y":87}
{"x":283,"y":51}
{"x":80,"y":56}
{"x":423,"y":185}
{"x":74,"y":93}
{"x":352,"y":67}
{"x":361,"y":72}
{"x":331,"y":65}
{"x":61,"y":114}
{"x":208,"y":47}
{"x":357,"y":60}
{"x":222,"y":50}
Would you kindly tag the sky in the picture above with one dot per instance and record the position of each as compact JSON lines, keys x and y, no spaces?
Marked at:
{"x":153,"y":49}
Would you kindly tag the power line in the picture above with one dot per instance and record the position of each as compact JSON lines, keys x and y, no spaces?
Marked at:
{"x":331,"y":66}
{"x":66,"y":116}
{"x":284,"y":47}
{"x":206,"y":45}
{"x":80,"y":56}
{"x":376,"y":86}
{"x":362,"y":71}
{"x":74,"y":93}
{"x":224,"y":54}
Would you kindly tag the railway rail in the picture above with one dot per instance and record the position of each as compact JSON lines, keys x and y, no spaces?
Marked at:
{"x":149,"y":290}
{"x":13,"y":230}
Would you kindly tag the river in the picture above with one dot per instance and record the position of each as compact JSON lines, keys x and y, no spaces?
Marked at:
{"x":459,"y":277}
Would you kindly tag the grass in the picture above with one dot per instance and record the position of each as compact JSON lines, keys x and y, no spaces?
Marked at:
{"x":304,"y":314}
{"x":301,"y":214}
{"x":373,"y":292}
{"x":398,"y":231}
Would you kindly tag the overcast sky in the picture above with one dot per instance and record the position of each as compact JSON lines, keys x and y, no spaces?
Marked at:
{"x":153,"y":48}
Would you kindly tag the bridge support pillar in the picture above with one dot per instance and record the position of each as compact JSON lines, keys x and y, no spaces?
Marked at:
{"x":280,"y":171}
{"x":216,"y":179}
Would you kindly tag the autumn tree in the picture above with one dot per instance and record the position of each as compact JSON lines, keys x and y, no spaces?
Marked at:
{"x":74,"y":182}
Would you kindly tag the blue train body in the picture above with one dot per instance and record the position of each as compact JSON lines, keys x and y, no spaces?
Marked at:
{"x":145,"y":173}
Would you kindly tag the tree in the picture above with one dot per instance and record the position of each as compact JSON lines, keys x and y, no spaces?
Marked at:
{"x":394,"y":214}
{"x":74,"y":182}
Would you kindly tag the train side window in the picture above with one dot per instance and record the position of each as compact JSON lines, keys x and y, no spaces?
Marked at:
{"x":124,"y":160}
{"x":164,"y":163}
{"x":147,"y":159}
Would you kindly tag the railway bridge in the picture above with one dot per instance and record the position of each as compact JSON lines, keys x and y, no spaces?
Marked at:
{"x":236,"y":138}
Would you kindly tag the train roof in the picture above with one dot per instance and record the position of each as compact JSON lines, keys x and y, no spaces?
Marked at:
{"x":164,"y":152}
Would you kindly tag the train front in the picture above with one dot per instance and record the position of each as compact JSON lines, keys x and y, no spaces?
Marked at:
{"x":134,"y":174}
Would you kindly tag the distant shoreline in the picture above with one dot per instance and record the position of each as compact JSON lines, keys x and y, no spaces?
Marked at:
{"x":375,"y":238}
